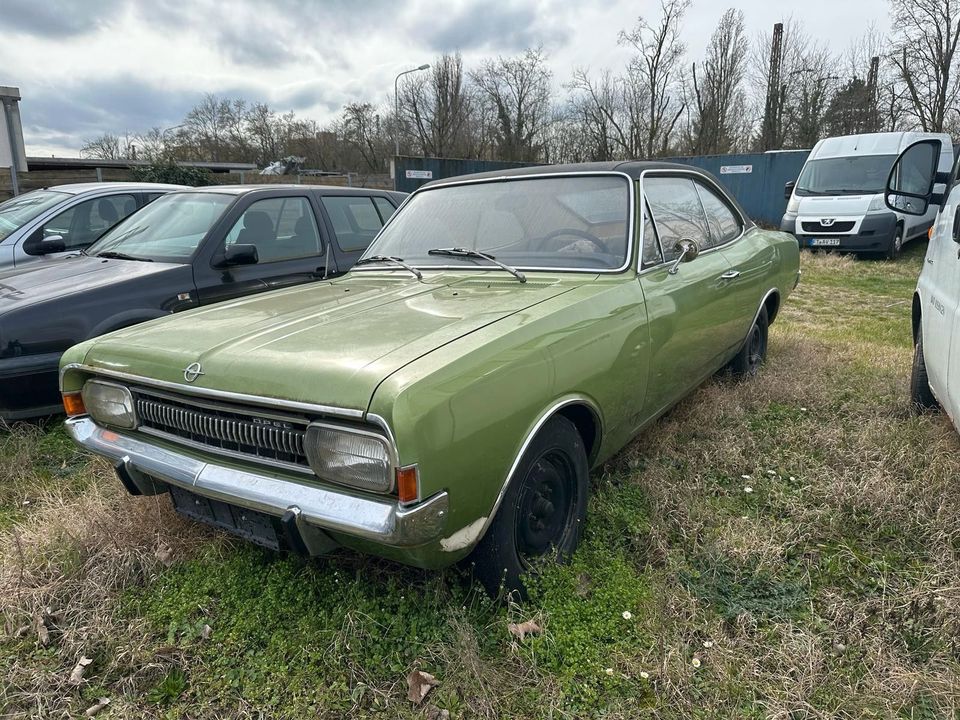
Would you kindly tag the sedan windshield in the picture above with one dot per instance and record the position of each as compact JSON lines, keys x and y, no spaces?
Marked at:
{"x":564,"y":222}
{"x":855,"y":175}
{"x":167,"y":230}
{"x":17,"y":212}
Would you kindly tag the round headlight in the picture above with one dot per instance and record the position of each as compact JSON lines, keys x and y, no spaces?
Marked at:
{"x":348,"y":456}
{"x":109,"y":403}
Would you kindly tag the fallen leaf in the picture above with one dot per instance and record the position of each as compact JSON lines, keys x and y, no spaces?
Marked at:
{"x":206,"y":632}
{"x":40,"y":625}
{"x":76,"y":677}
{"x":432,"y":712}
{"x":419,"y":684}
{"x":164,"y":554}
{"x":583,"y":585}
{"x":94,"y":709}
{"x":21,"y":631}
{"x":521,"y":630}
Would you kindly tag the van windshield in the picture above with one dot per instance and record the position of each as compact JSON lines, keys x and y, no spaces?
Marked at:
{"x":854,"y":175}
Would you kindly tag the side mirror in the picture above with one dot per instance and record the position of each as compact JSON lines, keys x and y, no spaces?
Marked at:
{"x":910,"y":184}
{"x":688,"y":249}
{"x":239,"y":254}
{"x":788,"y":189}
{"x":47,"y":246}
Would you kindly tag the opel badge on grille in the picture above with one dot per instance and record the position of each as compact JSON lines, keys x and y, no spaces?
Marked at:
{"x":192,"y":372}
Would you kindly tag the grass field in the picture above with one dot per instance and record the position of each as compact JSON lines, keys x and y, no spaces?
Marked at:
{"x":783,"y":548}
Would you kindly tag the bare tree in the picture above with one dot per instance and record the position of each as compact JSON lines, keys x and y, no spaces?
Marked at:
{"x":106,"y":147}
{"x":360,"y":127}
{"x":717,"y":95}
{"x":518,"y":91}
{"x":595,"y":108}
{"x":438,"y":106}
{"x":653,"y":75}
{"x":926,"y":35}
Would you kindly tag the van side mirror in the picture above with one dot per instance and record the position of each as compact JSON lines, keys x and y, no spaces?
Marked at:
{"x":910,"y":184}
{"x":240,"y":254}
{"x":788,"y":189}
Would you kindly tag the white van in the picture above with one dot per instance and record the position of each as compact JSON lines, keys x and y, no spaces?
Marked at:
{"x":913,"y":185}
{"x":837,"y":202}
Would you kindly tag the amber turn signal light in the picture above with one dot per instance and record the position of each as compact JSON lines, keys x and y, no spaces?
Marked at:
{"x":407,"y":484}
{"x":73,"y":404}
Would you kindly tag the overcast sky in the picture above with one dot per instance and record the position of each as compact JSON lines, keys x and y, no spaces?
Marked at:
{"x":85,"y":67}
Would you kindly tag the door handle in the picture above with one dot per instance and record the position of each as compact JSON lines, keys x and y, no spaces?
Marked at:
{"x":730,"y":275}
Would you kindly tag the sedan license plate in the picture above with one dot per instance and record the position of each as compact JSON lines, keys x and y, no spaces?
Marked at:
{"x":824,"y":242}
{"x":248,"y":524}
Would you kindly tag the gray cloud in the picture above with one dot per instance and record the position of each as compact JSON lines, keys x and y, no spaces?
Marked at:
{"x":502,"y":27}
{"x":58,"y":18}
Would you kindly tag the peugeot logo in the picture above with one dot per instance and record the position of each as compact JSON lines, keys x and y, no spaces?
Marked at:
{"x":827,"y":222}
{"x":192,"y":372}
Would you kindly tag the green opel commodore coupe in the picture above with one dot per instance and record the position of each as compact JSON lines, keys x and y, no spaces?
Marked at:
{"x":504,"y":333}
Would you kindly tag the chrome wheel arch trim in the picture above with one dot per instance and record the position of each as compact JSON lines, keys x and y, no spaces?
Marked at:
{"x":542,"y":418}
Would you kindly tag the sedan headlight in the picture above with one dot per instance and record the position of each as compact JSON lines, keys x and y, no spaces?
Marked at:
{"x":348,"y":456}
{"x":793,"y":205}
{"x":109,"y":403}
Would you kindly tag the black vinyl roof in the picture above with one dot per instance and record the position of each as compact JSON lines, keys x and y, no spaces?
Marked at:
{"x":633,"y":168}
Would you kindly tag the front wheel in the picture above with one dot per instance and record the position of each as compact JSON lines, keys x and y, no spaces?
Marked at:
{"x":751,"y":356}
{"x":542,"y":514}
{"x":896,"y":244}
{"x":921,"y":395}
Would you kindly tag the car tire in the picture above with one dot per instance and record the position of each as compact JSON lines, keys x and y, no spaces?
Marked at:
{"x":747,"y":362}
{"x":921,"y":396}
{"x":542,"y":513}
{"x":896,"y":244}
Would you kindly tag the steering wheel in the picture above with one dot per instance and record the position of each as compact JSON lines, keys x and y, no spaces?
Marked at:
{"x":576,"y":233}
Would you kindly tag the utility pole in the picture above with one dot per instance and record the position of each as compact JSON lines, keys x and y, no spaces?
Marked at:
{"x":773,"y":109}
{"x":873,"y":82}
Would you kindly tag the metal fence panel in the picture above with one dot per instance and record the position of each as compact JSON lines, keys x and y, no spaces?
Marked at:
{"x":412,"y":172}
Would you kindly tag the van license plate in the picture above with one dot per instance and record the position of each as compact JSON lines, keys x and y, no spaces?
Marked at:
{"x":824,"y":242}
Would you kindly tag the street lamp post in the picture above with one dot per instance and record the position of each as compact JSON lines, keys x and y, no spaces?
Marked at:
{"x":396,"y":104}
{"x":163,"y":134}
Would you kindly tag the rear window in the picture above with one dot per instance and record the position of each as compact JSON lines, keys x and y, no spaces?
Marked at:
{"x":356,"y":220}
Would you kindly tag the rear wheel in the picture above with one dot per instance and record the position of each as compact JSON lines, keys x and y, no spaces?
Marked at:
{"x":542,"y":514}
{"x":896,"y":244}
{"x":754,"y":350}
{"x":920,"y":393}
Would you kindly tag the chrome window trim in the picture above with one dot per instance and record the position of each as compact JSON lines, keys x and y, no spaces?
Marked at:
{"x":630,"y":222}
{"x":745,"y":224}
{"x":192,"y":391}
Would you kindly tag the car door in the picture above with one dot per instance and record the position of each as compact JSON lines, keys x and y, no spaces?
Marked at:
{"x":82,"y":223}
{"x":939,"y":287}
{"x":751,"y":257}
{"x":354,"y":221}
{"x":687,"y":305}
{"x":288,"y":239}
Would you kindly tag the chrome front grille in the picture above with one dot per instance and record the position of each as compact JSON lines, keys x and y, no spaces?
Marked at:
{"x":234,"y":430}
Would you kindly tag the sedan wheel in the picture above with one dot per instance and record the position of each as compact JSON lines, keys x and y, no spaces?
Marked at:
{"x":542,"y":513}
{"x":751,"y":356}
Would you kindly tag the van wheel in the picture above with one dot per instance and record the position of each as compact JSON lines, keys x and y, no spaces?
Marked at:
{"x":542,"y":514}
{"x":754,"y":350}
{"x":921,"y":396}
{"x":896,"y":244}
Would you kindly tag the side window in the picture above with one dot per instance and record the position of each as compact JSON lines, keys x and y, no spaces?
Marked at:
{"x":150,"y":197}
{"x":385,"y":207}
{"x":80,"y":225}
{"x":355,"y":220}
{"x":677,"y":212}
{"x":724,"y":224}
{"x":651,"y":247}
{"x":281,"y":228}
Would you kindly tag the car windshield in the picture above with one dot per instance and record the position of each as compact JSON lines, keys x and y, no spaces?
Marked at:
{"x":854,"y":175}
{"x":569,"y":222}
{"x":17,"y":212}
{"x":167,"y":230}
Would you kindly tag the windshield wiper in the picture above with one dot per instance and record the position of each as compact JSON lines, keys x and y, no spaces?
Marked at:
{"x":394,"y":260}
{"x":464,"y":252}
{"x":113,"y":255}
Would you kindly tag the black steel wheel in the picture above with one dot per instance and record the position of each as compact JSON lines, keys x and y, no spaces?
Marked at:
{"x":541,"y":516}
{"x":754,"y":351}
{"x":921,"y":396}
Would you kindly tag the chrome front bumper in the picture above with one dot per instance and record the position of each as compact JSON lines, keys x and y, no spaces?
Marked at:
{"x":314,"y":510}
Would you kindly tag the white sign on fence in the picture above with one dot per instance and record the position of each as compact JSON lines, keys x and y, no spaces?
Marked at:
{"x":419,"y":174}
{"x":735,"y":169}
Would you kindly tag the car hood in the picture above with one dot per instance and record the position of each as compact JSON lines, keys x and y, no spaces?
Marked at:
{"x":54,"y":278}
{"x":834,"y":205}
{"x":326,"y":344}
